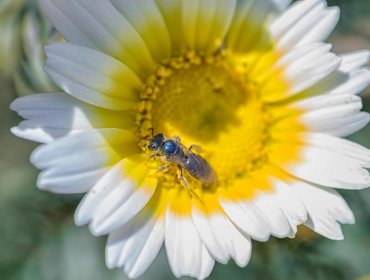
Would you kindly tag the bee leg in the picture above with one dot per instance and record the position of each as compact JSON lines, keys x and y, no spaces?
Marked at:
{"x":183,"y":179}
{"x":155,"y":155}
{"x":195,"y":147}
{"x":163,"y":168}
{"x":151,"y":131}
{"x":176,"y":139}
{"x":159,"y":171}
{"x":186,"y":185}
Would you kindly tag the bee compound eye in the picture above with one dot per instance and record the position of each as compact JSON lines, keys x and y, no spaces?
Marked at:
{"x":153,"y":146}
{"x":169,"y":147}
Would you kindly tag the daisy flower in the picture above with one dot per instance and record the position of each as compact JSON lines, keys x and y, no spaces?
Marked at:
{"x":250,"y":82}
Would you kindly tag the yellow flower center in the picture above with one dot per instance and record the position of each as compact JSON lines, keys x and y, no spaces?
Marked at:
{"x":236,"y":109}
{"x":210,"y":102}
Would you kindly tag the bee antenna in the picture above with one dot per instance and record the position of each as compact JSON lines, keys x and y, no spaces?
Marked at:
{"x":151,"y":131}
{"x":147,"y":137}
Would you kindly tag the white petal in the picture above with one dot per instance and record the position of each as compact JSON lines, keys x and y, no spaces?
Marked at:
{"x":54,"y":153}
{"x":305,"y":22}
{"x":272,"y":213}
{"x":186,"y":254}
{"x":147,"y":20}
{"x":79,"y":182}
{"x":325,"y":209}
{"x":290,"y":204}
{"x":248,"y":24}
{"x":171,"y":11}
{"x":206,"y":22}
{"x":337,"y":115}
{"x":62,"y":21}
{"x":202,"y":24}
{"x":334,"y":125}
{"x":206,"y":264}
{"x":57,"y":101}
{"x":325,"y":101}
{"x":299,"y":56}
{"x":38,"y":106}
{"x":338,"y":145}
{"x":213,"y":29}
{"x":308,"y":70}
{"x":104,"y":187}
{"x":354,"y":60}
{"x":74,"y":163}
{"x":115,"y":217}
{"x":293,"y":15}
{"x":267,"y":213}
{"x":130,"y":179}
{"x":38,"y":134}
{"x":207,"y":227}
{"x":350,"y":78}
{"x":92,"y":76}
{"x":97,"y":24}
{"x":358,"y":80}
{"x":248,"y":218}
{"x":120,"y":194}
{"x":331,"y":169}
{"x":135,"y":245}
{"x":351,"y":128}
{"x":221,"y":237}
{"x":282,"y":4}
{"x":318,"y":119}
{"x":153,"y":243}
{"x":304,"y":67}
{"x":323,"y":28}
{"x":53,"y":115}
{"x":189,"y":22}
{"x":354,"y":67}
{"x":295,"y":32}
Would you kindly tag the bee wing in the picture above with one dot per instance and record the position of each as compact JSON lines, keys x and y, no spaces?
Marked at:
{"x":199,"y":167}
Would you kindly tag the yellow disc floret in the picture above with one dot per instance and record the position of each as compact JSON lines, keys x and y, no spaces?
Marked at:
{"x":215,"y":102}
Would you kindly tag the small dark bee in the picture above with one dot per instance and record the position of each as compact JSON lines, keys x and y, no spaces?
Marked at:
{"x":172,"y":151}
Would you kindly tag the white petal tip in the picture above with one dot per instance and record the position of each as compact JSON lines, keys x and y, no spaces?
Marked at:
{"x":338,"y":237}
{"x":243,"y":262}
{"x":261,"y":238}
{"x":16,"y":131}
{"x":97,"y":229}
{"x":333,"y":235}
{"x":133,"y":275}
{"x":109,"y":263}
{"x":14,"y":105}
{"x":80,"y":220}
{"x":94,"y":231}
{"x":34,"y":158}
{"x":348,"y":221}
{"x":47,"y":185}
{"x":43,"y":187}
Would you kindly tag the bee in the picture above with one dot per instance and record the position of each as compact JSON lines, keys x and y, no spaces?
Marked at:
{"x":171,"y":150}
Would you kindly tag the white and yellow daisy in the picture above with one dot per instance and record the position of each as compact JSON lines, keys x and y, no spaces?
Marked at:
{"x":252,"y":84}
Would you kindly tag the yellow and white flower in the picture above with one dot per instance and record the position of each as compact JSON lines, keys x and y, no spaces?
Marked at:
{"x":252,"y":84}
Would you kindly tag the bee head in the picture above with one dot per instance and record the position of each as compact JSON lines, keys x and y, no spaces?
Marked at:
{"x":156,"y":142}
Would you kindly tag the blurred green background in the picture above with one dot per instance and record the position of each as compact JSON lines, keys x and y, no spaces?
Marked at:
{"x":37,"y":237}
